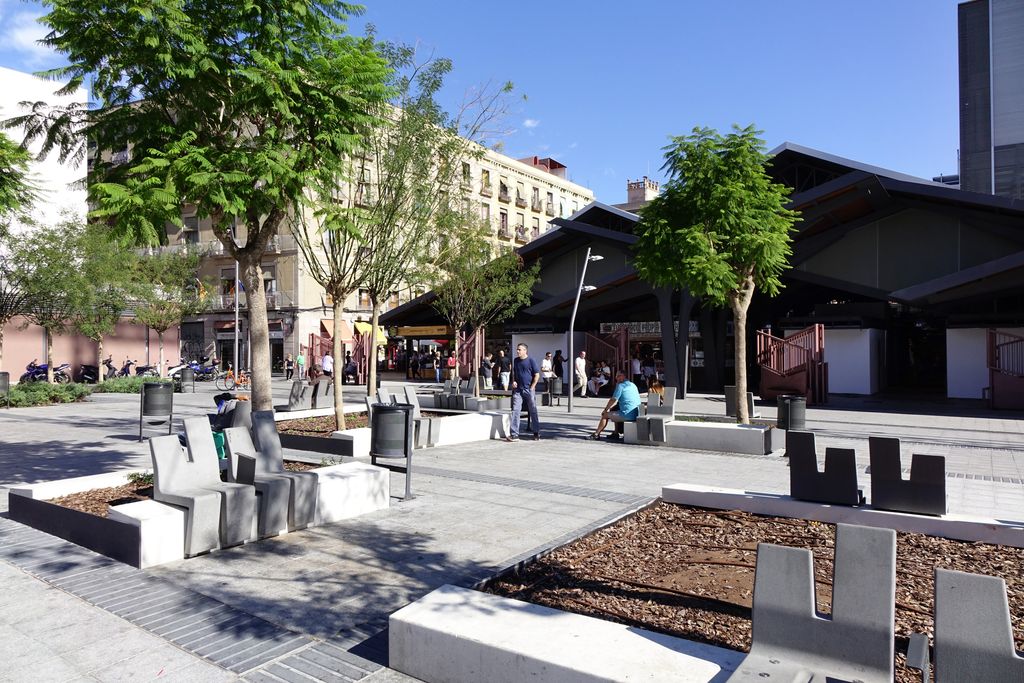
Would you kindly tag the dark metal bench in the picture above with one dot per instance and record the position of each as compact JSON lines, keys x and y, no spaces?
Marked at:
{"x":836,"y":485}
{"x":924,"y":493}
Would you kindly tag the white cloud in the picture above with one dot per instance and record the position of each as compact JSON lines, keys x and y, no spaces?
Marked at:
{"x":530,"y":123}
{"x":572,"y":145}
{"x":23,"y":33}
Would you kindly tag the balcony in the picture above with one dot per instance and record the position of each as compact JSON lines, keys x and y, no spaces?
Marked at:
{"x":521,"y":234}
{"x":534,"y":234}
{"x":504,"y":233}
{"x":275,"y":300}
{"x":118,"y":158}
{"x":520,"y":202}
{"x":536,"y":205}
{"x":549,"y":208}
{"x":485,"y":191}
{"x":365,"y":197}
{"x":503,"y":196}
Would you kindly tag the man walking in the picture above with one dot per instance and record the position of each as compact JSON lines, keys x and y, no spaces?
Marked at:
{"x":581,"y":373}
{"x":504,"y":364}
{"x":526,"y":374}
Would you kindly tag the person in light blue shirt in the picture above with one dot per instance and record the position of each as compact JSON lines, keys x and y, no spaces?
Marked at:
{"x":627,"y":399}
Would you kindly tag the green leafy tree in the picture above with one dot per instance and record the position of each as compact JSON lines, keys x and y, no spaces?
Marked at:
{"x":13,"y":299}
{"x":231,"y":107}
{"x":721,"y":228}
{"x":166,"y":291}
{"x":46,"y":264}
{"x":17,"y":193}
{"x":408,"y":176}
{"x":502,"y":287}
{"x":107,"y":269}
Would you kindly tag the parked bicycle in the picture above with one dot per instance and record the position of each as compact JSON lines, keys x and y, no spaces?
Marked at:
{"x":228,"y":380}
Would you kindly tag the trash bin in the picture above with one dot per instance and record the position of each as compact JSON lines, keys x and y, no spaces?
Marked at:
{"x":156,"y":404}
{"x":187,"y":379}
{"x":391,"y":435}
{"x":792,"y":412}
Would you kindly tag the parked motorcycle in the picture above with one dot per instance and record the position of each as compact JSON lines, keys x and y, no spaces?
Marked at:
{"x":206,"y":369}
{"x":37,"y":373}
{"x":147,"y":371}
{"x":108,"y":363}
{"x":88,"y":374}
{"x":126,"y":369}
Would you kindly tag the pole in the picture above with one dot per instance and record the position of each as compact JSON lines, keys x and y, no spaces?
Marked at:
{"x":238,"y":288}
{"x":572,"y":324}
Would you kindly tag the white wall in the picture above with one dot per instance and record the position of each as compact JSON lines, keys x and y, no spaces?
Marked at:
{"x":539,"y":344}
{"x":852,"y":357}
{"x":966,"y":363}
{"x":51,"y":177}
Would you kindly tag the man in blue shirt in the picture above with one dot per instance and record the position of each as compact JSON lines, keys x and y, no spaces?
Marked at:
{"x":628,"y":399}
{"x":525,"y":375}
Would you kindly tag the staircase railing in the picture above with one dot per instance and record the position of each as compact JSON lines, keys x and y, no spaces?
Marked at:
{"x":613,"y":347}
{"x":1005,"y":353}
{"x":803,"y":351}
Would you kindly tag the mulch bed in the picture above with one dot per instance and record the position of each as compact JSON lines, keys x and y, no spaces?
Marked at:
{"x":689,"y":572}
{"x":321,"y":426}
{"x":95,"y":502}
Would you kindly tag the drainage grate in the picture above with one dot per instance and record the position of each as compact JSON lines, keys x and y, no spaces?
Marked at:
{"x":966,"y":475}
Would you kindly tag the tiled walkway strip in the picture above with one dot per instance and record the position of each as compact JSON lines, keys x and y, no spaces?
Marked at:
{"x":230,"y":638}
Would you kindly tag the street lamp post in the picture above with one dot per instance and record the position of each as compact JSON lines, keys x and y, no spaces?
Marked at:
{"x":572,"y":321}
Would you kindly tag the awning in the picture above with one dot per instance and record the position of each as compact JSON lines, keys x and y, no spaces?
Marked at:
{"x":327,"y":330}
{"x":364,"y":328}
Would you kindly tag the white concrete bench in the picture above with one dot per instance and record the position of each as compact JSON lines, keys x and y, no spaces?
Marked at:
{"x":350,"y":490}
{"x":161,"y":530}
{"x":359,"y":438}
{"x":456,"y":634}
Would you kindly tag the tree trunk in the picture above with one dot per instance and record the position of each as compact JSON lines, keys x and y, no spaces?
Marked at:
{"x":49,"y":357}
{"x":99,"y":359}
{"x":740,"y":303}
{"x":160,"y":356}
{"x":259,"y":335}
{"x":371,"y":361}
{"x":668,"y":337}
{"x":1,"y":345}
{"x":475,"y":370}
{"x":683,"y":340}
{"x":339,"y":362}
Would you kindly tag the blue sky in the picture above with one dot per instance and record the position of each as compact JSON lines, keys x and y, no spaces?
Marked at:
{"x":607,"y":83}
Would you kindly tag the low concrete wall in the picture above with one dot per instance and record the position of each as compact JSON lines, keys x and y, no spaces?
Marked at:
{"x":468,"y":427}
{"x":350,"y":490}
{"x":461,"y":635}
{"x":960,"y":527}
{"x":724,"y":437}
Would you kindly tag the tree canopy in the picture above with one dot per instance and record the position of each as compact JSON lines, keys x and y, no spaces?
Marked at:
{"x":16,"y":189}
{"x":230,"y":107}
{"x":721,"y":228}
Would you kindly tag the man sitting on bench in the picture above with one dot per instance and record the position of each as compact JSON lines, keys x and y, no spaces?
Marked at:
{"x":628,"y":399}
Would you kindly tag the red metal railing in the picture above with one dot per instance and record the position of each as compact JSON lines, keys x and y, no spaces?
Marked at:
{"x":803,"y":351}
{"x":1005,"y":353}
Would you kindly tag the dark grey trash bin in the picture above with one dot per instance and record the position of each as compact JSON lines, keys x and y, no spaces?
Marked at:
{"x":5,"y":388}
{"x":156,"y":405}
{"x":391,"y":438}
{"x":187,"y":380}
{"x":792,"y":412}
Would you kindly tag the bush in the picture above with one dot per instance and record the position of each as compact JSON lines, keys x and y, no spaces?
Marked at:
{"x":40,"y":394}
{"x":125,"y":385}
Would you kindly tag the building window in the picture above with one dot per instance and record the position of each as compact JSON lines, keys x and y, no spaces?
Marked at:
{"x":485,"y":183}
{"x":467,"y":177}
{"x":503,"y":195}
{"x":485,"y":211}
{"x":535,"y":199}
{"x":535,"y":228}
{"x":190,"y":230}
{"x":393,"y":300}
{"x":503,"y":224}
{"x":364,"y":298}
{"x":227,"y":281}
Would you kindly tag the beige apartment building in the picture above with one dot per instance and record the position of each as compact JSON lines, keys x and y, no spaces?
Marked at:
{"x":517,"y":197}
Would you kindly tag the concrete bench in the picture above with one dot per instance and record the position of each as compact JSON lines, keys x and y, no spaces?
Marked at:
{"x":162,"y":529}
{"x":465,"y":636}
{"x":237,"y":501}
{"x":650,"y":427}
{"x":836,"y":485}
{"x":349,"y":490}
{"x":924,"y":493}
{"x":300,"y":498}
{"x":790,"y":641}
{"x":973,"y":633}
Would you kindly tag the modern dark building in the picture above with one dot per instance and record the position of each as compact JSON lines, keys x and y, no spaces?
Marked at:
{"x":991,"y":36}
{"x":906,"y":276}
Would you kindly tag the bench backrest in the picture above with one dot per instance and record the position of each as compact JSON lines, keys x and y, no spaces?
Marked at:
{"x":202,"y":451}
{"x":413,"y":400}
{"x":857,"y":642}
{"x":658,"y":405}
{"x":267,"y":441}
{"x":923,"y":493}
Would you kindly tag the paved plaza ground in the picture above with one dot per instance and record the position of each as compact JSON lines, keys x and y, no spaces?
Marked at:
{"x":313,"y":605}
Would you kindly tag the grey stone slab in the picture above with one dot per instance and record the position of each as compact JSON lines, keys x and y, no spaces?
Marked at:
{"x":240,"y":663}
